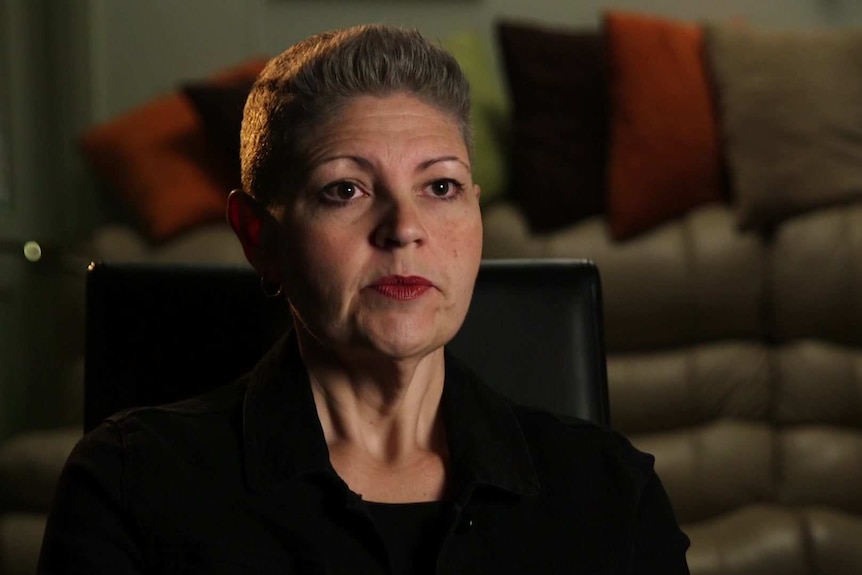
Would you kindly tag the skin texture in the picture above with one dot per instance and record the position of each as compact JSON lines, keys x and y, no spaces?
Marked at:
{"x":389,"y":192}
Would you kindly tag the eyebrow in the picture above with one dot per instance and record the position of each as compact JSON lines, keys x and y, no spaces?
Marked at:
{"x":428,"y":163}
{"x":366,"y":164}
{"x":355,"y":159}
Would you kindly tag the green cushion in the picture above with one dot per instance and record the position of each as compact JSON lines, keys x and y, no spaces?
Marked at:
{"x":490,"y":111}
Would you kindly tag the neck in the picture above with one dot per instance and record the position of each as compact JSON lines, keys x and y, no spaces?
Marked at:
{"x":379,"y":408}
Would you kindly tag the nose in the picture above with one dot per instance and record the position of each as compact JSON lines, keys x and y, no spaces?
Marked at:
{"x":400,"y":224}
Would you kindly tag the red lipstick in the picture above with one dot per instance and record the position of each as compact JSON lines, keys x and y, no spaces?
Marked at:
{"x":402,"y":287}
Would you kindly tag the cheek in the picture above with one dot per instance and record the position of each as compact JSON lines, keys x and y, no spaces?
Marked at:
{"x":465,"y":250}
{"x":466,"y":236}
{"x":306,"y":257}
{"x":309,"y":244}
{"x":321,"y":267}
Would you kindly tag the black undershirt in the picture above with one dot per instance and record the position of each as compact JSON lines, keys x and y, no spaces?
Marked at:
{"x":412,"y":533}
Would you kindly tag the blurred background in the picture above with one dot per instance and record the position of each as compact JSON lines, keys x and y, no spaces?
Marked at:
{"x":730,"y":336}
{"x":66,"y":65}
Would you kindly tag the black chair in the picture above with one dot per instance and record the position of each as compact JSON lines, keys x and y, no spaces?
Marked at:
{"x":157,"y":333}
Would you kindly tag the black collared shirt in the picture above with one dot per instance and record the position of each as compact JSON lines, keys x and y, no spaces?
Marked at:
{"x":239,"y":481}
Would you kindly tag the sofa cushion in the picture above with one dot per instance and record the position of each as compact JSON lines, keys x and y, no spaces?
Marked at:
{"x":157,"y":159}
{"x":30,"y":464}
{"x":689,"y":280}
{"x":556,"y":78}
{"x":489,"y":107}
{"x":789,"y":104}
{"x":816,"y":276}
{"x":664,"y":151}
{"x":755,"y":539}
{"x":706,"y":472}
{"x":834,"y":400}
{"x":680,"y":387}
{"x":20,"y":542}
{"x":211,"y":243}
{"x":220,"y":108}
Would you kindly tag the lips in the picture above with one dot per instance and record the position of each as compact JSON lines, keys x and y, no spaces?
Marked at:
{"x":402,"y":287}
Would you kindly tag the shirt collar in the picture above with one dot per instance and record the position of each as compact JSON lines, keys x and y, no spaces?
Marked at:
{"x":486,"y":444}
{"x":283,"y":437}
{"x":282,"y":434}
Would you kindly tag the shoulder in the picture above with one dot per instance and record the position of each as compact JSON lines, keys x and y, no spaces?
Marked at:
{"x":563,"y":447}
{"x":213,"y":404}
{"x":178,"y":428}
{"x":137,"y":453}
{"x":220,"y":405}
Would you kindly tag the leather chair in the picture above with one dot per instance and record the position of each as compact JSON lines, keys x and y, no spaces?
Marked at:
{"x":157,"y":333}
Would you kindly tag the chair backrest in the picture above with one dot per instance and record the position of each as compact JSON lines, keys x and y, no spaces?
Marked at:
{"x":157,"y":333}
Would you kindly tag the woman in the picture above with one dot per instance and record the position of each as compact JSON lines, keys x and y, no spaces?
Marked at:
{"x":357,"y":445}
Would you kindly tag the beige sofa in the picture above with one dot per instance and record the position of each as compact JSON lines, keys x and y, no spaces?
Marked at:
{"x":31,"y":461}
{"x":733,"y":357}
{"x":736,"y":359}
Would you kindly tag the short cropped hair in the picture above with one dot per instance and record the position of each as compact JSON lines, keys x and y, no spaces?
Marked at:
{"x":306,"y":85}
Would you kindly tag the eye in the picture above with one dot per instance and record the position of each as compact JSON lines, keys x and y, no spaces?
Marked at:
{"x":445,"y":188}
{"x":341,"y":192}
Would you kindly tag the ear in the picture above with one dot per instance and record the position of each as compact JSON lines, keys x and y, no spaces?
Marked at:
{"x":255,"y":227}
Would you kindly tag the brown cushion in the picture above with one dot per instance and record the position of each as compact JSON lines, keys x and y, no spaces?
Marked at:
{"x":789,"y":104}
{"x":557,"y":86}
{"x":158,"y":160}
{"x":664,"y":153}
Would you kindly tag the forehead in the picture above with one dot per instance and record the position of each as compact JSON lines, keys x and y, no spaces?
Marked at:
{"x":400,"y":120}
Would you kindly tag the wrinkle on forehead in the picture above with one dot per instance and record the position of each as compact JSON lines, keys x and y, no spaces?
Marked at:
{"x":392,"y":117}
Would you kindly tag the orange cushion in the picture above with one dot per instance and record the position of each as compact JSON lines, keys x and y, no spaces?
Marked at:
{"x":158,"y":160}
{"x":664,"y":154}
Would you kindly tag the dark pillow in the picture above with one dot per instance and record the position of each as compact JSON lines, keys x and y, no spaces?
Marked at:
{"x":220,"y":110}
{"x":158,"y":159}
{"x":556,"y":81}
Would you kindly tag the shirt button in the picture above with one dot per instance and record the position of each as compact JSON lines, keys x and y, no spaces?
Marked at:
{"x":466,"y":524}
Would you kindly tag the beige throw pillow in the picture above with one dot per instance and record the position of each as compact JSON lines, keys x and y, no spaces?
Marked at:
{"x":790,"y":106}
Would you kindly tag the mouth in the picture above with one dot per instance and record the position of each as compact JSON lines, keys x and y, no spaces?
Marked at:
{"x":402,"y":287}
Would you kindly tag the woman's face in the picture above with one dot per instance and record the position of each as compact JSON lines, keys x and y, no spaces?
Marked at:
{"x":380,"y":246}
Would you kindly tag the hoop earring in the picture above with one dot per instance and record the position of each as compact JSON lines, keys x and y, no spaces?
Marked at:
{"x":267,"y":288}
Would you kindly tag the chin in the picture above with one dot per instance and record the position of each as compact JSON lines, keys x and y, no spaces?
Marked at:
{"x":404,"y":347}
{"x":403,"y":340}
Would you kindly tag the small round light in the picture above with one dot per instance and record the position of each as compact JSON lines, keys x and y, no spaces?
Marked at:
{"x":32,"y":251}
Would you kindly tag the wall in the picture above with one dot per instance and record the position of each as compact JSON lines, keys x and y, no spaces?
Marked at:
{"x":67,"y":64}
{"x":135,"y":50}
{"x":42,"y":55}
{"x":25,"y":87}
{"x":142,"y":48}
